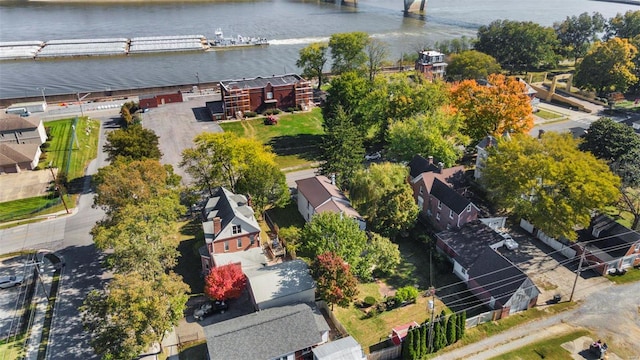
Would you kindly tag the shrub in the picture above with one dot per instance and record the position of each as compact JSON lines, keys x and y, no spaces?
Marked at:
{"x":369,"y":301}
{"x":45,"y":146}
{"x":271,"y":112}
{"x":391,"y":302}
{"x":407,"y":293}
{"x":250,"y":114}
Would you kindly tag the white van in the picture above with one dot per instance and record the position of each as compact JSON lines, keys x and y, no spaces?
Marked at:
{"x":18,"y":111}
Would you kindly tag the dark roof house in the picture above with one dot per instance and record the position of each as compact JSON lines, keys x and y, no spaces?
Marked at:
{"x":268,"y":334}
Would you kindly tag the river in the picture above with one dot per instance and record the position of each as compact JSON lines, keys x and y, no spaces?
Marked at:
{"x":288,"y":24}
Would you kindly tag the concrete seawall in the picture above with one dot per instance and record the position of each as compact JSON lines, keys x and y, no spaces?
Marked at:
{"x":103,"y":95}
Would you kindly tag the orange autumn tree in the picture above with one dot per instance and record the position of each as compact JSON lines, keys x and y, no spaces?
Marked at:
{"x":225,"y":282}
{"x":501,"y":105}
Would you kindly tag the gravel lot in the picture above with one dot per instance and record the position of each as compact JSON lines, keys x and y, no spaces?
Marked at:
{"x":177,"y":124}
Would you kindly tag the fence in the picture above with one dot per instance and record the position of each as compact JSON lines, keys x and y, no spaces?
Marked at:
{"x":387,"y":353}
{"x":483,"y":318}
{"x":323,"y":305}
{"x":564,"y":249}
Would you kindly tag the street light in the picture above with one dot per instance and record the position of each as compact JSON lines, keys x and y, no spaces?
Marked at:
{"x":80,"y":102}
{"x":198,"y":77}
{"x":43,"y":97}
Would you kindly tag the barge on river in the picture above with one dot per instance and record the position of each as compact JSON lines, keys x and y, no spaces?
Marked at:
{"x":80,"y":48}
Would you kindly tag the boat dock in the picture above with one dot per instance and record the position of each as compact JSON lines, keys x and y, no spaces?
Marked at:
{"x":23,"y":50}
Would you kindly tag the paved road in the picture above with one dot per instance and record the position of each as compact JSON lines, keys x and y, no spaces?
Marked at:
{"x":612,"y":314}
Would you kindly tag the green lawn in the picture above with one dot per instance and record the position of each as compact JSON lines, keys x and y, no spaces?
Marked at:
{"x":191,"y":239}
{"x":82,"y":150}
{"x":546,"y":349}
{"x":295,"y":139}
{"x":13,"y":349}
{"x":632,"y":275}
{"x":25,"y":208}
{"x":548,"y":115}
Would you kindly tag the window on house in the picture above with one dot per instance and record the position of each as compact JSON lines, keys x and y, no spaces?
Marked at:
{"x":448,"y":226}
{"x":450,"y":214}
{"x":438,"y":216}
{"x":226,"y":245}
{"x":252,"y":238}
{"x":469,"y":208}
{"x":239,"y":241}
{"x":421,"y":190}
{"x":638,"y":247}
{"x":439,"y":204}
{"x":269,"y":95}
{"x":236,"y":229}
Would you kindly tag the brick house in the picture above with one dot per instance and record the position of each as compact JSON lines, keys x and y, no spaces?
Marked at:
{"x":153,"y":101}
{"x":231,"y":232}
{"x":434,"y":189}
{"x":431,"y":64}
{"x":259,"y":94}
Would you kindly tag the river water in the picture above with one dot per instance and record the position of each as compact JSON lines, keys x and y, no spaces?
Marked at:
{"x":288,"y":24}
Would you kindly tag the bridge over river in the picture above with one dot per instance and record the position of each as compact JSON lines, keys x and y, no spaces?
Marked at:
{"x":410,"y":6}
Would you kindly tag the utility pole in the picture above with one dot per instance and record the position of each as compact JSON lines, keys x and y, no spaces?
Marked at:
{"x":57,"y":188}
{"x":80,"y":102}
{"x":575,"y":282}
{"x":43,"y":97}
{"x":432,"y":305}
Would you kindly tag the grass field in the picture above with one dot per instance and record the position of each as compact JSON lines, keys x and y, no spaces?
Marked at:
{"x":25,"y":208}
{"x":13,"y":349}
{"x":548,"y":115}
{"x":83,"y":150}
{"x":295,"y":139}
{"x":548,"y":349}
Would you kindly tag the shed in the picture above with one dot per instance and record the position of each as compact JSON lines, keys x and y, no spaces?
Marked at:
{"x":342,"y":349}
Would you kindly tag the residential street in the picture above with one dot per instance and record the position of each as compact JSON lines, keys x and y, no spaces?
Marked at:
{"x":613,"y":314}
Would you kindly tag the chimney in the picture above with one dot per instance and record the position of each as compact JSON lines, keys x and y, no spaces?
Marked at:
{"x":333,"y":179}
{"x":440,"y":167}
{"x":430,"y":158}
{"x":217,"y":226}
{"x":249,"y":202}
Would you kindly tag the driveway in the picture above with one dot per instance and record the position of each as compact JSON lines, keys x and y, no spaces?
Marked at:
{"x":177,"y":124}
{"x":551,"y":271}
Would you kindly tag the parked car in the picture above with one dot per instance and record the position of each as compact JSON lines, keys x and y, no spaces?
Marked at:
{"x":10,"y":281}
{"x":510,"y":243}
{"x":209,"y":308}
{"x":374,"y":156}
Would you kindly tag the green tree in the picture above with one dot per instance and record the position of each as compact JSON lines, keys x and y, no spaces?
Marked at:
{"x":348,"y":51}
{"x":382,"y":195}
{"x":132,"y":143}
{"x":549,"y":182}
{"x":376,"y":51}
{"x":417,"y":339}
{"x":382,"y":253}
{"x":407,"y":348}
{"x":462,"y":325}
{"x":311,"y":60}
{"x":472,"y":64}
{"x":242,"y":165}
{"x":121,"y":184}
{"x":140,"y":237}
{"x":335,"y":283}
{"x":518,"y":45}
{"x":424,"y":345}
{"x":347,"y":92}
{"x":576,"y":33}
{"x":608,"y":66}
{"x":437,"y":338}
{"x":609,"y":140}
{"x":454,"y":46}
{"x":434,"y":134}
{"x":338,"y":234}
{"x":452,"y":324}
{"x":342,"y":147}
{"x":133,"y":313}
{"x":290,"y":236}
{"x":129,"y":113}
{"x":625,"y":26}
{"x":502,"y":106}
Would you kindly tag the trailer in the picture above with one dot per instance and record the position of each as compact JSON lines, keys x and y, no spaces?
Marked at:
{"x":30,"y":107}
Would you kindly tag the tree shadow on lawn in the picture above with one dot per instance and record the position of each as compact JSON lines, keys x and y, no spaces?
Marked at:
{"x":287,"y":216}
{"x":305,"y":146}
{"x":189,"y":260}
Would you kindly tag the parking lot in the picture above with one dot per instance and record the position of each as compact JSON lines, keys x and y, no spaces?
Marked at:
{"x":12,"y":299}
{"x":550,"y":271}
{"x":177,"y":124}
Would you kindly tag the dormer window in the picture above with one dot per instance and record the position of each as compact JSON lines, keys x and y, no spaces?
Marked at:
{"x":236,"y":229}
{"x":439,"y":204}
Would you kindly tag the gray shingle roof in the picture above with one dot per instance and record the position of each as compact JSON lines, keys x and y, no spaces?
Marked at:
{"x":266,"y":334}
{"x":419,"y":165}
{"x":613,"y":241}
{"x":260,"y":82}
{"x":231,"y":209}
{"x":497,"y":275}
{"x":449,"y":197}
{"x":343,"y":349}
{"x":469,"y":241}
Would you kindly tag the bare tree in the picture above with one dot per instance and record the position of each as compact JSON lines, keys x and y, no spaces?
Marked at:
{"x":376,"y":53}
